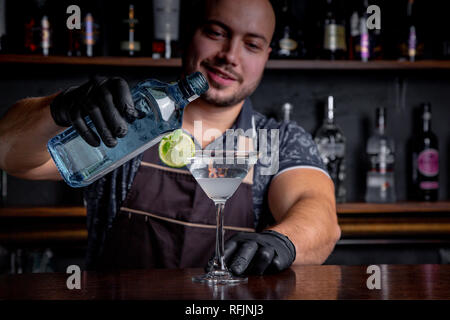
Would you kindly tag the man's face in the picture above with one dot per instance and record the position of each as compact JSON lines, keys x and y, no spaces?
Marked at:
{"x":231,"y":48}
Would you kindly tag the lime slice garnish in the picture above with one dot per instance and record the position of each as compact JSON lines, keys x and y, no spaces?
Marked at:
{"x":175,"y":148}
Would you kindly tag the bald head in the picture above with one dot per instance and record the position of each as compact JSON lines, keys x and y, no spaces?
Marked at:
{"x":259,"y":13}
{"x":200,"y":10}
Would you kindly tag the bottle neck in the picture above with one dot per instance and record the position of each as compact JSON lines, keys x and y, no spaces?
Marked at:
{"x":192,"y":86}
{"x":287,"y":116}
{"x":426,"y":126}
{"x":381,"y":125}
{"x":329,"y":117}
{"x":186,"y":90}
{"x":426,"y":122}
{"x":287,"y":109}
{"x":329,"y":111}
{"x":380,"y":120}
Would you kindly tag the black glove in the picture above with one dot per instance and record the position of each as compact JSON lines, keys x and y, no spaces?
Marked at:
{"x":107,"y":102}
{"x":259,"y":253}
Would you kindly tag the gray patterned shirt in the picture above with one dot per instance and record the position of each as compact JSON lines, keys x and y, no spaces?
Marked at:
{"x":296,"y":150}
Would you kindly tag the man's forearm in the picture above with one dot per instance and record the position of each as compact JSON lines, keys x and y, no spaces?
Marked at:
{"x":311,"y":224}
{"x":24,"y":132}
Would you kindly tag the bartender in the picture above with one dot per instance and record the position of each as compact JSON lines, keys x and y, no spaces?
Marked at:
{"x":148,"y":215}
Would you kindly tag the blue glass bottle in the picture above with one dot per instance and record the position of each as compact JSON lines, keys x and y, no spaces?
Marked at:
{"x":163,"y":104}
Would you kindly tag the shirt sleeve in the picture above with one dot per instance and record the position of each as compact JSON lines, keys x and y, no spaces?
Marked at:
{"x":298,"y":150}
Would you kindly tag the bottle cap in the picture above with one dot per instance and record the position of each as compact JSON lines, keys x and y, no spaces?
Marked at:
{"x":287,"y":106}
{"x":330,"y":102}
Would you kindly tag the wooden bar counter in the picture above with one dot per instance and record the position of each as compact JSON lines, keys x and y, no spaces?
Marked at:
{"x":330,"y":282}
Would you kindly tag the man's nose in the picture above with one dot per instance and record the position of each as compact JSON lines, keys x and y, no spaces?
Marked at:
{"x":230,"y":52}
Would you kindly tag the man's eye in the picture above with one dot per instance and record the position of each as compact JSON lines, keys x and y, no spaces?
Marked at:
{"x":253,"y":46}
{"x":214,"y":33}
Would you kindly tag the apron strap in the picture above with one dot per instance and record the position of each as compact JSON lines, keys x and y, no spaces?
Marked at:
{"x":184,"y":223}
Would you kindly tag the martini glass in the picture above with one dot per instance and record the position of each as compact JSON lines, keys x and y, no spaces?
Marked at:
{"x":219,"y":174}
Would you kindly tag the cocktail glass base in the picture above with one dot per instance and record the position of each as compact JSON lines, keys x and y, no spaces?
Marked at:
{"x":219,"y":277}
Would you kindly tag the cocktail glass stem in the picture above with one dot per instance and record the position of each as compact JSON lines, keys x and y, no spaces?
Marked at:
{"x":218,"y":272}
{"x":219,"y":259}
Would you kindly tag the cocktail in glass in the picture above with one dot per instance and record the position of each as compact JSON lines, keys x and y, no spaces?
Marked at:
{"x":219,"y":174}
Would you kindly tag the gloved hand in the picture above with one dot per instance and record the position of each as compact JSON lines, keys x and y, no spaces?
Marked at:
{"x":108,"y":103}
{"x":259,"y":253}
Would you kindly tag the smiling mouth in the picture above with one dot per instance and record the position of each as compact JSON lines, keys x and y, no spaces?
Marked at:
{"x":219,"y":73}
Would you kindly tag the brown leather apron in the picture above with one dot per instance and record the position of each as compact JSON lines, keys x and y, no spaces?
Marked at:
{"x":167,"y":221}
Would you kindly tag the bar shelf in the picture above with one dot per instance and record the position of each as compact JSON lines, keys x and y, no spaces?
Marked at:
{"x":271,"y":65}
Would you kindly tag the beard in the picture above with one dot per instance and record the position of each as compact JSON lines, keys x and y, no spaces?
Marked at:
{"x":233,"y":98}
{"x":213,"y":97}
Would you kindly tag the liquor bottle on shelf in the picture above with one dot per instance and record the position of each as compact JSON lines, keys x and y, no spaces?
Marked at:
{"x":288,"y":42}
{"x":38,"y":33}
{"x":376,"y":40}
{"x":73,"y":39}
{"x":45,"y":31}
{"x":45,"y":36}
{"x":30,"y":42}
{"x":334,"y":41}
{"x":131,"y":46}
{"x":364,"y":44}
{"x":355,"y":35}
{"x":166,"y":16}
{"x":330,"y":141}
{"x":380,"y":186}
{"x":74,"y":43}
{"x":364,"y":39}
{"x":411,"y":45}
{"x":90,"y":36}
{"x":425,"y":160}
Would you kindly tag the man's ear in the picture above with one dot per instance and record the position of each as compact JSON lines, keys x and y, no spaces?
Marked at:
{"x":269,"y":50}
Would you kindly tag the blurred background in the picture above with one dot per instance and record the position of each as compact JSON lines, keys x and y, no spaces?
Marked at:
{"x":364,"y":84}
